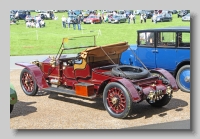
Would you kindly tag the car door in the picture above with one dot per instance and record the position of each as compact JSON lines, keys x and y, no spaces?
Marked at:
{"x":166,"y":50}
{"x":146,"y":49}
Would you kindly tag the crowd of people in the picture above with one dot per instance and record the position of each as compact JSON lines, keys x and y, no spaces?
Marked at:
{"x":38,"y":22}
{"x":74,"y":21}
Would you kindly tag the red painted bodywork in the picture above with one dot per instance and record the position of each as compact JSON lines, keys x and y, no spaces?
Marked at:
{"x":169,"y":77}
{"x":96,"y":76}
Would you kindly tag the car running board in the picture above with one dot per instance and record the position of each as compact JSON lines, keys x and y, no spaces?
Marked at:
{"x":67,"y":92}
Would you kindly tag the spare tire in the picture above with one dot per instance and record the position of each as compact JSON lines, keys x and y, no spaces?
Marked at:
{"x":131,"y":72}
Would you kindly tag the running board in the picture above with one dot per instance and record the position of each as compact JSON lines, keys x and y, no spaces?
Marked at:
{"x":67,"y":92}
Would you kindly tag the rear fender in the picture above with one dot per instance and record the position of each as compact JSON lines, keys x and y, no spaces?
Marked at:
{"x":135,"y":97}
{"x":168,"y":76}
{"x":37,"y":74}
{"x":131,"y":89}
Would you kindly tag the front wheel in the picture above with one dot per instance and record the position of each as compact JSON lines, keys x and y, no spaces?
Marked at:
{"x":116,"y":100}
{"x":183,"y":78}
{"x":28,"y":83}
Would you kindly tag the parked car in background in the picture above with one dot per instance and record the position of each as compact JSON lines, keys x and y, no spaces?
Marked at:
{"x":121,"y":12}
{"x":21,"y":14}
{"x":182,"y":13}
{"x":85,"y":14}
{"x":13,"y":97}
{"x":186,"y":17}
{"x":166,"y":11}
{"x":128,"y":12}
{"x":117,"y":19}
{"x":163,"y":17}
{"x":77,"y":12}
{"x":92,"y":19}
{"x":167,"y":48}
{"x":173,"y":11}
{"x":13,"y":20}
{"x":38,"y":11}
{"x":170,"y":11}
{"x":138,"y":12}
{"x":58,"y":11}
{"x":149,"y":13}
{"x":44,"y":14}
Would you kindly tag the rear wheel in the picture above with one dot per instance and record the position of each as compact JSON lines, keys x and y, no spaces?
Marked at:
{"x":183,"y":78}
{"x":28,"y":83}
{"x":116,"y":100}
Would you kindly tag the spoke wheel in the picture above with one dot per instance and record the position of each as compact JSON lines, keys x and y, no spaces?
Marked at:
{"x":28,"y":83}
{"x":117,"y":100}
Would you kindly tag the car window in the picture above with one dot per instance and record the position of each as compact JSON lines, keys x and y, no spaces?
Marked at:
{"x":166,"y":39}
{"x":146,"y":38}
{"x":183,"y":39}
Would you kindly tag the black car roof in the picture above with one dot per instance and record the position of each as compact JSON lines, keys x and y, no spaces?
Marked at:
{"x":173,"y":29}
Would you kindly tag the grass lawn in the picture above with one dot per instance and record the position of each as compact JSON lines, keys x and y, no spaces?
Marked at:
{"x":42,"y":41}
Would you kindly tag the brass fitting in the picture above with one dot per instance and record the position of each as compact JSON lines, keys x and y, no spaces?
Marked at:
{"x":151,"y":96}
{"x":53,"y":61}
{"x":35,"y":62}
{"x":169,"y":91}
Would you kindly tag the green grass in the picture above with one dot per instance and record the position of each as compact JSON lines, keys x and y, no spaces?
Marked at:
{"x":39,"y":41}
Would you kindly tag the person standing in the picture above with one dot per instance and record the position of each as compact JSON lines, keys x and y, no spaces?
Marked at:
{"x":64,"y":21}
{"x":134,"y":18}
{"x":79,"y":22}
{"x":154,"y":18}
{"x":145,"y":18}
{"x":129,"y":19}
{"x":141,"y":18}
{"x":68,"y":21}
{"x":74,"y":20}
{"x":38,"y":19}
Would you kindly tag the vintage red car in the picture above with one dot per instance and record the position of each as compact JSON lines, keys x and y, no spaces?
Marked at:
{"x":96,"y":72}
{"x":92,"y":19}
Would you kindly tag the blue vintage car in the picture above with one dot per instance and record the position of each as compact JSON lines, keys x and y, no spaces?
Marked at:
{"x":167,"y":48}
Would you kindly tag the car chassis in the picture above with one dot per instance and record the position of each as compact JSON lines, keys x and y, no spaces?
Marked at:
{"x":96,"y":72}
